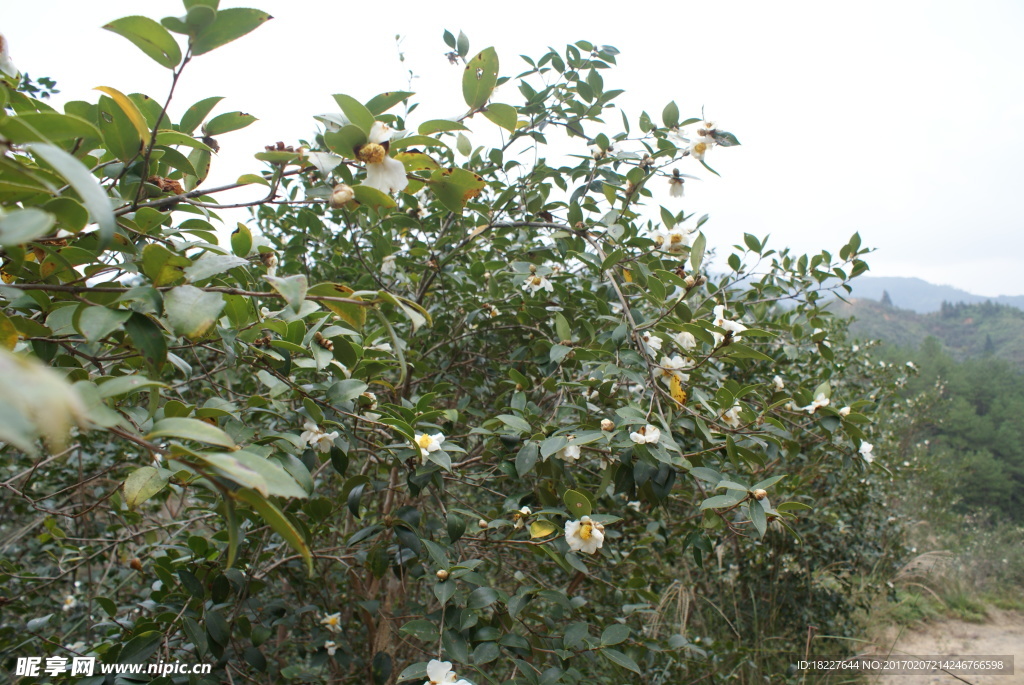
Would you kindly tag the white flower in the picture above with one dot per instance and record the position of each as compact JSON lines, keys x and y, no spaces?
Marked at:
{"x":382,"y":347}
{"x":651,"y":343}
{"x":635,"y":506}
{"x":6,"y":65}
{"x":441,"y":673}
{"x":316,"y":438}
{"x":584,"y":535}
{"x":779,"y":385}
{"x":675,"y":186}
{"x":731,"y":418}
{"x":569,"y":453}
{"x":845,"y":411}
{"x":384,"y":173}
{"x":673,"y":367}
{"x":69,"y":603}
{"x":269,"y":260}
{"x":865,"y":451}
{"x":428,"y":443}
{"x":533,"y":283}
{"x":77,"y":647}
{"x":734,"y":327}
{"x":911,"y":365}
{"x":646,"y":435}
{"x":703,"y":141}
{"x":673,"y":240}
{"x":819,"y":401}
{"x":332,"y":622}
{"x":519,"y":517}
{"x":387,"y":267}
{"x":685,"y":340}
{"x":331,"y":647}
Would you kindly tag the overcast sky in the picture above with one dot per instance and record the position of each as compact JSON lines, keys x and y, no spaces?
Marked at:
{"x":902,"y":120}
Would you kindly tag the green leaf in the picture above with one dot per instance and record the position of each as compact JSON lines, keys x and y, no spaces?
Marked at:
{"x":416,"y":161}
{"x":123,"y":385}
{"x":81,"y":179}
{"x":743,"y":352}
{"x":503,"y":115}
{"x":577,"y":503}
{"x":292,"y":288}
{"x":371,"y":197}
{"x":444,"y":590}
{"x":278,"y":522}
{"x":479,"y":78}
{"x":793,"y":506}
{"x":697,"y":251}
{"x":356,"y":112}
{"x":516,"y":423}
{"x":130,"y":110}
{"x":192,"y":312}
{"x":345,"y":140}
{"x":379,"y":104}
{"x":617,"y":657}
{"x":24,"y":225}
{"x":614,"y":634}
{"x":190,"y":429}
{"x":241,"y":240}
{"x":757,"y":515}
{"x":148,"y":338}
{"x":229,"y":24}
{"x":150,"y":37}
{"x":455,"y":186}
{"x":670,"y":115}
{"x":143,"y":483}
{"x":212,"y":264}
{"x":259,"y":473}
{"x":227,"y":122}
{"x":481,"y":597}
{"x":195,"y":115}
{"x":162,"y":266}
{"x":47,"y":127}
{"x":439,"y":125}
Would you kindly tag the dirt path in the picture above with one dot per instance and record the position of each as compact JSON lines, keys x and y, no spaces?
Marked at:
{"x":1002,"y":635}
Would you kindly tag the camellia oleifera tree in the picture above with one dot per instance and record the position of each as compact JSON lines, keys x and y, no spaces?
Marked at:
{"x":446,"y":404}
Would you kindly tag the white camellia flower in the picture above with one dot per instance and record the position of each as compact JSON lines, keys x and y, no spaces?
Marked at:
{"x":675,"y":187}
{"x":428,"y":443}
{"x":819,"y":401}
{"x":332,"y":622}
{"x":533,"y":283}
{"x":732,"y":418}
{"x":569,"y":453}
{"x":651,"y":343}
{"x":673,"y":367}
{"x":341,"y":195}
{"x":584,"y":535}
{"x":6,"y":65}
{"x":519,"y":517}
{"x":69,"y":603}
{"x":685,"y":340}
{"x":441,"y":673}
{"x":331,"y":647}
{"x":845,"y":411}
{"x":779,"y":385}
{"x":646,"y":435}
{"x":703,"y":141}
{"x":383,"y":172}
{"x":865,"y":451}
{"x":734,"y":327}
{"x":387,"y":267}
{"x":316,"y":438}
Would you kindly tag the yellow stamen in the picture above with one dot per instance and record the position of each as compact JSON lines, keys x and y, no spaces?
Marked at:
{"x":371,"y":153}
{"x":423,"y":441}
{"x":586,"y":530}
{"x":700,"y":148}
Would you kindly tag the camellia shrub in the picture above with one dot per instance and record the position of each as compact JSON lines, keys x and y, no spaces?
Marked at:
{"x":460,"y":399}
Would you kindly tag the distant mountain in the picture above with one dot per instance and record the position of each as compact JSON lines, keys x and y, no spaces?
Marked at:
{"x":921,"y":296}
{"x":965,"y":330}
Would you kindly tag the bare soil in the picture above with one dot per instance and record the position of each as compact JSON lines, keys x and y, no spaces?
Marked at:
{"x":1002,"y":635}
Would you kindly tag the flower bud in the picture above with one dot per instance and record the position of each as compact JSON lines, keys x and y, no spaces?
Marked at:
{"x":690,"y":281}
{"x":760,"y":494}
{"x":607,"y":425}
{"x":482,"y":524}
{"x":442,"y":574}
{"x":341,"y":196}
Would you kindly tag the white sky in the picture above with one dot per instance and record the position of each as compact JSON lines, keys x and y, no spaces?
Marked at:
{"x":901,"y":119}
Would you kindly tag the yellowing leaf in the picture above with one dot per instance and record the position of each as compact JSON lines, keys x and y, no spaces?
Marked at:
{"x":542,"y":528}
{"x":129,"y":109}
{"x":676,"y":390}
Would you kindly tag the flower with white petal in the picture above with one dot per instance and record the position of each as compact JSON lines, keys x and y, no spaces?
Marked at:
{"x":731,"y":417}
{"x":646,"y":435}
{"x":331,"y":646}
{"x":779,"y":385}
{"x":569,"y":453}
{"x":341,"y":195}
{"x":519,"y":517}
{"x":6,"y":65}
{"x":428,"y":443}
{"x":703,"y":141}
{"x":533,"y":283}
{"x":819,"y":401}
{"x":673,"y":367}
{"x":316,"y":438}
{"x":332,"y":622}
{"x":387,"y":267}
{"x":734,"y":327}
{"x":441,"y":673}
{"x":865,"y":451}
{"x":675,"y":239}
{"x":845,"y":411}
{"x":69,"y":603}
{"x":383,"y":172}
{"x":685,"y":340}
{"x":675,"y":186}
{"x":584,"y":535}
{"x":651,"y":342}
